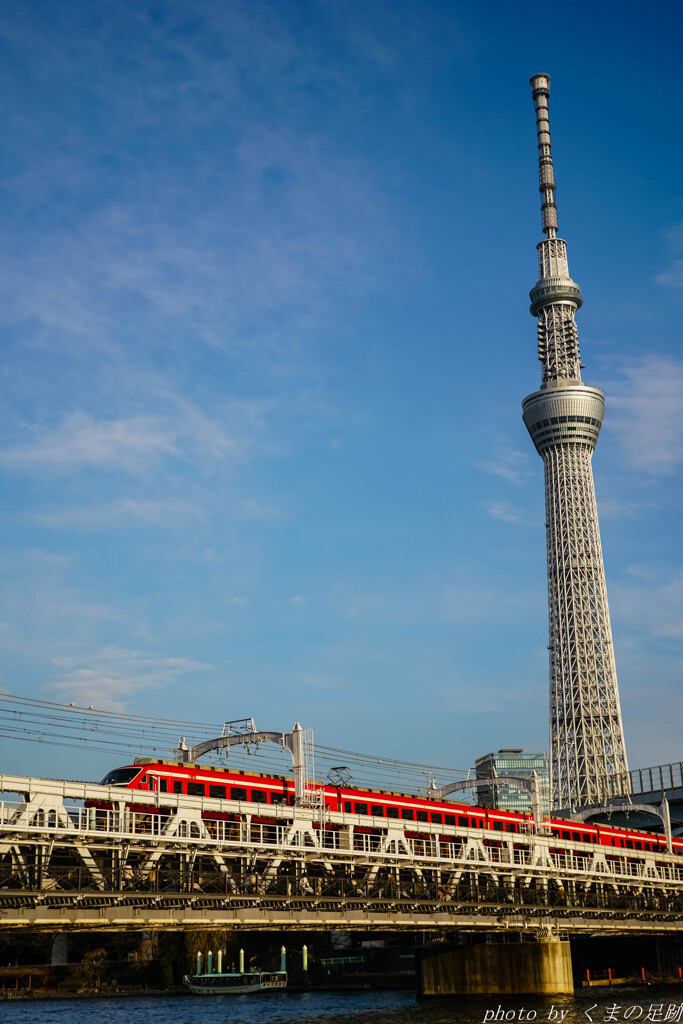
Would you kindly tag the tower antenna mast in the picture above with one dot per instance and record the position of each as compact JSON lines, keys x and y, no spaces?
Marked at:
{"x":587,"y":751}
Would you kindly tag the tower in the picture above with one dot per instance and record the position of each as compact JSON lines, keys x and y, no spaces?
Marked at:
{"x":587,"y":752}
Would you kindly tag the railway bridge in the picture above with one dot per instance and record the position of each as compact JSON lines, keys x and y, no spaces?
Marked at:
{"x":649,"y":787}
{"x":169,"y":861}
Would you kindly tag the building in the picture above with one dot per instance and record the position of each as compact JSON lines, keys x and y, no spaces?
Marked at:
{"x":587,"y":752}
{"x":513,"y":762}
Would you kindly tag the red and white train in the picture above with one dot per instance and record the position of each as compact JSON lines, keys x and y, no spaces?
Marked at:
{"x":366,"y":805}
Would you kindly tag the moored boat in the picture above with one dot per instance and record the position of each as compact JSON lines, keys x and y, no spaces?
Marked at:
{"x":235,"y":983}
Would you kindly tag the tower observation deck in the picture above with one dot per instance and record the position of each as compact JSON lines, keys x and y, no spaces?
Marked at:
{"x":587,"y":752}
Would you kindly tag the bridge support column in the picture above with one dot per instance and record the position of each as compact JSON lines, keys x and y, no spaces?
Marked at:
{"x":60,"y":948}
{"x":520,"y":968}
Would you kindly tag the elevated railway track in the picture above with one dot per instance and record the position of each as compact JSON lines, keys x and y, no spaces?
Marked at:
{"x":76,"y":856}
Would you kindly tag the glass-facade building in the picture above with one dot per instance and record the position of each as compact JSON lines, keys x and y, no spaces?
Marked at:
{"x":518,"y":764}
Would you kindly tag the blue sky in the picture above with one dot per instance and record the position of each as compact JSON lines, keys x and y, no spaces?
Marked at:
{"x":265,"y":339}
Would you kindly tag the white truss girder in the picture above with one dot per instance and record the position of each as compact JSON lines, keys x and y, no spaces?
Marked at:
{"x":81,"y":867}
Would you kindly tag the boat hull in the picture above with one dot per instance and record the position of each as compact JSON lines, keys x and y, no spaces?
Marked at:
{"x":235,"y":984}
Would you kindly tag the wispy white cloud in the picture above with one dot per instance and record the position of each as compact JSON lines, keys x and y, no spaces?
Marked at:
{"x":106,"y":677}
{"x":81,"y":440}
{"x":179,"y":430}
{"x":651,"y":607}
{"x":280,"y":221}
{"x":674,"y":235}
{"x":647,"y":399}
{"x":34,"y":558}
{"x":509,"y":464}
{"x":506,"y":512}
{"x":673,"y":277}
{"x":8,"y":635}
{"x":611,"y":507}
{"x":461,"y":697}
{"x":471,"y":593}
{"x":491,"y":598}
{"x":122,"y":512}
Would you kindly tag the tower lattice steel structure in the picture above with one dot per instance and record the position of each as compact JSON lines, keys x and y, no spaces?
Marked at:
{"x":587,"y":752}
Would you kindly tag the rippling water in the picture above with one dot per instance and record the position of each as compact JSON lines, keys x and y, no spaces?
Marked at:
{"x":354,"y":1008}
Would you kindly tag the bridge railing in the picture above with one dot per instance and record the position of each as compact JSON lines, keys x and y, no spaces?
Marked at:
{"x":86,"y":824}
{"x":660,"y":778}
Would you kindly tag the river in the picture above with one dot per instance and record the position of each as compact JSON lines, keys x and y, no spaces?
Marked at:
{"x":601,"y":1006}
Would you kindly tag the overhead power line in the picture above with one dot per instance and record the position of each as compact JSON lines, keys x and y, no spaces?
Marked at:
{"x":124,"y":735}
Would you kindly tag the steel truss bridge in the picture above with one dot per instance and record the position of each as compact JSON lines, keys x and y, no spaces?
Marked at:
{"x":155,"y":861}
{"x":653,"y":785}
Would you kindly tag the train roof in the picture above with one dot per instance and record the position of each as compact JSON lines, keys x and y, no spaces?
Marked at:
{"x":561,"y":823}
{"x":146,"y":762}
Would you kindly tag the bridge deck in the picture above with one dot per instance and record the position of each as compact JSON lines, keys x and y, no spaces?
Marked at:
{"x":148,"y":860}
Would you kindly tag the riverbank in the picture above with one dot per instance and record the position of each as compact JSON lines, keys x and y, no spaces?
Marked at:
{"x":41,"y":994}
{"x":379,"y":983}
{"x":352,"y":984}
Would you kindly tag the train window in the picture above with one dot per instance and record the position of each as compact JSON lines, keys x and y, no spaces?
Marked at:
{"x":238,"y":793}
{"x":377,"y":810}
{"x":177,"y":786}
{"x":422,"y":816}
{"x":437,"y":819}
{"x":278,"y":798}
{"x":195,"y":789}
{"x":565,"y":835}
{"x":290,"y":799}
{"x":259,"y":796}
{"x":449,"y":819}
{"x":347,"y":806}
{"x":360,"y":808}
{"x":217,"y":792}
{"x":163,"y":786}
{"x":407,"y":813}
{"x":119,"y":777}
{"x":576,"y":837}
{"x":511,"y":827}
{"x":463,"y":821}
{"x":629,"y":844}
{"x":392,"y":812}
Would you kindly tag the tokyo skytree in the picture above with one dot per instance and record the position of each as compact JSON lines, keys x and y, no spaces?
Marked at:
{"x":587,"y":752}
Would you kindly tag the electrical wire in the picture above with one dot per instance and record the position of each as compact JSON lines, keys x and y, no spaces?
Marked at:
{"x":120,"y":733}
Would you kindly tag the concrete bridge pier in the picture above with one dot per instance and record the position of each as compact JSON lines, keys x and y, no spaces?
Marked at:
{"x":60,"y":948}
{"x":506,"y":968}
